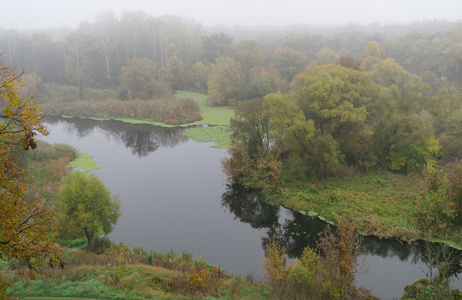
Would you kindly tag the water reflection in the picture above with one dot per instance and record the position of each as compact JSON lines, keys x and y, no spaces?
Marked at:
{"x":434,"y":255}
{"x":247,"y":208}
{"x":295,"y":231}
{"x":141,"y":139}
{"x":387,"y":248}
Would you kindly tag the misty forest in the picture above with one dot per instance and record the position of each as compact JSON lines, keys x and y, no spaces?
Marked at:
{"x":324,"y":146}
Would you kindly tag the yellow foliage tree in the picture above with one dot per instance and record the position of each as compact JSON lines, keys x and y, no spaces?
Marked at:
{"x":26,"y":223}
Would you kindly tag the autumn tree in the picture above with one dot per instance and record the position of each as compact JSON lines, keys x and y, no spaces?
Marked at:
{"x":288,"y":62}
{"x":404,"y":137}
{"x":198,"y":75}
{"x":26,"y":222}
{"x":325,"y":56}
{"x":226,"y":80}
{"x":140,"y":77}
{"x":172,"y":72}
{"x":349,"y":62}
{"x":86,"y":204}
{"x":337,"y":100}
{"x":249,"y":55}
{"x":251,"y":125}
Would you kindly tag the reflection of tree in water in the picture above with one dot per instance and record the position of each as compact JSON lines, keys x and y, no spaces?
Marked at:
{"x":248,"y":209}
{"x":74,"y":126}
{"x":142,"y":139}
{"x":295,"y":231}
{"x":435,"y":255}
{"x":386,"y":248}
{"x":301,"y":231}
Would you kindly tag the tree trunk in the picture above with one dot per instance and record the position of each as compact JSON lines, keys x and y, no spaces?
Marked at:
{"x":89,"y":239}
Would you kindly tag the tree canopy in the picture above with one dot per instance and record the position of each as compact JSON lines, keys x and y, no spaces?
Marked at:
{"x":27,"y":224}
{"x":86,"y":204}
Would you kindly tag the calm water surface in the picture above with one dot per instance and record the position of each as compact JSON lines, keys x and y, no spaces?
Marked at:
{"x":174,"y":196}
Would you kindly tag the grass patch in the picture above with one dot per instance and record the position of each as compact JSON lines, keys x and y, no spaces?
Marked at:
{"x":221,"y":135}
{"x":218,"y":115}
{"x":84,"y":162}
{"x":166,"y":276}
{"x":381,"y":203}
{"x":104,"y":109}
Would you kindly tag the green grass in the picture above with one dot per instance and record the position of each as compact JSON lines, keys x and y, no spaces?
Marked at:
{"x":87,"y":275}
{"x":221,"y":135}
{"x":219,"y":115}
{"x":381,"y":203}
{"x":84,"y":162}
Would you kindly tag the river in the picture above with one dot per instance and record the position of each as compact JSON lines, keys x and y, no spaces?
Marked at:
{"x":174,"y":196}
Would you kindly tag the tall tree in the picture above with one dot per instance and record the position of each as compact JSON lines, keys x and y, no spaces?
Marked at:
{"x":226,"y":78}
{"x":86,"y":204}
{"x":289,"y":62}
{"x":139,"y":77}
{"x":217,"y":45}
{"x":251,"y":125}
{"x":249,"y":55}
{"x":27,"y":224}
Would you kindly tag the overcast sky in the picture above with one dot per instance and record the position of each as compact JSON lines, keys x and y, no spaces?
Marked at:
{"x":42,"y":14}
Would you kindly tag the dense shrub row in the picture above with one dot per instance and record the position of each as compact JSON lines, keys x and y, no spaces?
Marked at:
{"x":171,"y":111}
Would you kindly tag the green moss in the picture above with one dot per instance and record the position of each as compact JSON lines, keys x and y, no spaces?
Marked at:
{"x":221,"y":135}
{"x":220,"y":116}
{"x":84,"y":162}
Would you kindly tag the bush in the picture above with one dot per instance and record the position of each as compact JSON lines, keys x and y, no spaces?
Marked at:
{"x":455,"y":191}
{"x":215,"y":98}
{"x":330,"y":274}
{"x":435,"y":213}
{"x":100,"y":245}
{"x":175,"y":111}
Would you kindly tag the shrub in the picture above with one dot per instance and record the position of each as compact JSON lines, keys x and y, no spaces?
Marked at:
{"x":205,"y":281}
{"x":455,"y":191}
{"x":433,"y":180}
{"x":328,"y":274}
{"x":215,"y":98}
{"x":339,"y":252}
{"x":174,"y":111}
{"x":100,"y":245}
{"x":435,"y":213}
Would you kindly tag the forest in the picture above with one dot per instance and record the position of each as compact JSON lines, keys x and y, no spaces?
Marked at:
{"x":358,"y":125}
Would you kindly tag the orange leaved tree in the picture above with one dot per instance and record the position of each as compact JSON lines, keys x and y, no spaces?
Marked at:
{"x":26,"y":223}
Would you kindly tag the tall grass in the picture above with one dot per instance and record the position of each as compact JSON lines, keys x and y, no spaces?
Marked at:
{"x":170,"y":111}
{"x":168,"y":276}
{"x":45,"y":166}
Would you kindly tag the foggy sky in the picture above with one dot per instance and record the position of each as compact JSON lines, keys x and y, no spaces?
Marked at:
{"x":43,"y":14}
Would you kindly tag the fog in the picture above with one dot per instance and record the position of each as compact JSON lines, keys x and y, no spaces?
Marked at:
{"x":31,"y":14}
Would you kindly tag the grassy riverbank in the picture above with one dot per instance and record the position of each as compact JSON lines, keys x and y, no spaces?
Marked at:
{"x":217,"y":119}
{"x":114,"y":271}
{"x":381,"y":203}
{"x":105,"y":107}
{"x":120,"y":273}
{"x":84,"y":162}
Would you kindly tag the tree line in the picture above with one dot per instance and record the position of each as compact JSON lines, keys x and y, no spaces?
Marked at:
{"x":148,"y":56}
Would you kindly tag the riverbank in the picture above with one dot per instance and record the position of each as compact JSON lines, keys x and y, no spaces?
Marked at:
{"x":214,"y":126}
{"x":115,"y":271}
{"x":121,"y":273}
{"x":382,"y":204}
